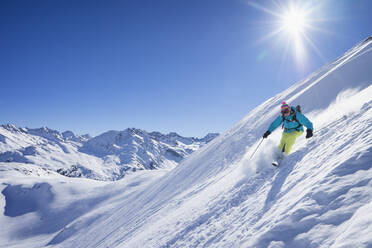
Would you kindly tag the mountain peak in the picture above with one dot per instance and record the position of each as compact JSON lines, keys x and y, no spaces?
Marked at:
{"x":209,"y":137}
{"x":13,"y":128}
{"x":136,"y":148}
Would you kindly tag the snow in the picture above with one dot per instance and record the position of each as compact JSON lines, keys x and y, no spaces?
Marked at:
{"x":109,"y":156}
{"x":37,"y":207}
{"x":320,"y":196}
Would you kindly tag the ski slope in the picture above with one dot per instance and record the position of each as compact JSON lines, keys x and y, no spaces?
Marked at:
{"x":320,"y":196}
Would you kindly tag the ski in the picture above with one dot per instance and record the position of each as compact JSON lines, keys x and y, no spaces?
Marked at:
{"x":275,"y":163}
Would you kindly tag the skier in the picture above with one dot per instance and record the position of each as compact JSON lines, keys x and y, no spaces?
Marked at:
{"x":293,"y":122}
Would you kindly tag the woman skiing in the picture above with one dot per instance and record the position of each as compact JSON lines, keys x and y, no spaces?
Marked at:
{"x":293,"y":122}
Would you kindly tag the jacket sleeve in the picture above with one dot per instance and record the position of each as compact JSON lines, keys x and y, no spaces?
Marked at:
{"x":276,"y":123}
{"x":304,"y":121}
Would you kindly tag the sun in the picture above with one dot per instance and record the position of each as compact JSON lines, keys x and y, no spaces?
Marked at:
{"x":291,"y":26}
{"x":294,"y":21}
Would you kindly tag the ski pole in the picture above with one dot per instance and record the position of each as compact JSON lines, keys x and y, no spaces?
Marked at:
{"x":256,"y":149}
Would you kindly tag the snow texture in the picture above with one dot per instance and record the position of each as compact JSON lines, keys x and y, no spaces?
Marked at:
{"x":109,"y":156}
{"x":219,"y":196}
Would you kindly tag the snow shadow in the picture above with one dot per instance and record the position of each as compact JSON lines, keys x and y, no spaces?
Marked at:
{"x":362,"y":161}
{"x":328,"y":204}
{"x":285,"y":169}
{"x":13,"y":156}
{"x":2,"y":139}
{"x":21,"y":200}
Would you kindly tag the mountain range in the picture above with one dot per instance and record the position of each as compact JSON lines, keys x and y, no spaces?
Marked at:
{"x":108,"y":156}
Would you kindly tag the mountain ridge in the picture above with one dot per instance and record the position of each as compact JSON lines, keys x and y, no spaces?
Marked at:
{"x":116,"y":152}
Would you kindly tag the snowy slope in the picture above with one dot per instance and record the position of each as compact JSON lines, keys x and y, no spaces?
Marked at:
{"x":37,"y":206}
{"x":108,"y":156}
{"x":219,"y":197}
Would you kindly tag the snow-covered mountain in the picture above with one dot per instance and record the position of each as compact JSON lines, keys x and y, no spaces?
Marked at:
{"x":108,"y":156}
{"x":219,"y":196}
{"x":138,"y":149}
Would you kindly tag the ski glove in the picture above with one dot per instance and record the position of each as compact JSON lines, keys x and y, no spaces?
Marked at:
{"x":266,"y":134}
{"x":309,"y":133}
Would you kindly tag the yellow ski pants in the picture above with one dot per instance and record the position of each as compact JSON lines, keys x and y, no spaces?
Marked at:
{"x":287,"y":141}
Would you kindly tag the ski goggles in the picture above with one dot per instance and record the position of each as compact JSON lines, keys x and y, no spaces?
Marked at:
{"x":285,"y":111}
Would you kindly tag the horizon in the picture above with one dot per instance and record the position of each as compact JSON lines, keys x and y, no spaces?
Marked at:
{"x":187,"y":67}
{"x":84,"y":134}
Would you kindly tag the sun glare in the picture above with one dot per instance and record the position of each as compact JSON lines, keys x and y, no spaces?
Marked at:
{"x":294,"y":21}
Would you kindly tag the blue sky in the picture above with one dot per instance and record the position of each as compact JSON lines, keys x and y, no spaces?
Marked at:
{"x":187,"y":66}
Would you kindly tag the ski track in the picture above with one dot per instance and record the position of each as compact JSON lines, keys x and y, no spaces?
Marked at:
{"x":232,"y":207}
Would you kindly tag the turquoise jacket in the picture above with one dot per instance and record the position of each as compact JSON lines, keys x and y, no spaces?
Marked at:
{"x":289,"y":124}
